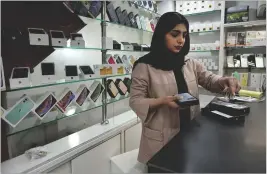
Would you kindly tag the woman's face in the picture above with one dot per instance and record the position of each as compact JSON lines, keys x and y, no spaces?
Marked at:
{"x":175,"y":39}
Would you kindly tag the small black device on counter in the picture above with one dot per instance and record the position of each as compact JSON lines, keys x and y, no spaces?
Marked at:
{"x":186,"y":99}
{"x":235,"y":110}
{"x":116,"y":45}
{"x":136,"y":47}
{"x":237,"y":14}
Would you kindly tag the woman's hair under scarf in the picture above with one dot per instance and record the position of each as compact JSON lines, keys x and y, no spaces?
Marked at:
{"x":160,"y":57}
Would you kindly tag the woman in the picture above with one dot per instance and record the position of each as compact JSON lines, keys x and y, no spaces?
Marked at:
{"x":161,"y":74}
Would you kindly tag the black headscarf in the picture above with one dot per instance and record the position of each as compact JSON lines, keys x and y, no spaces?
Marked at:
{"x":160,"y":57}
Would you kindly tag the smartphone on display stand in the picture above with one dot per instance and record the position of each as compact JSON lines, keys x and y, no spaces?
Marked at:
{"x":19,"y":111}
{"x":65,"y":100}
{"x":47,"y":103}
{"x":71,"y":72}
{"x":82,"y":93}
{"x":48,"y":72}
{"x":20,"y":77}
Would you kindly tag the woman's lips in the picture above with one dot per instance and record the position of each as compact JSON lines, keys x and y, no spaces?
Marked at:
{"x":178,"y":47}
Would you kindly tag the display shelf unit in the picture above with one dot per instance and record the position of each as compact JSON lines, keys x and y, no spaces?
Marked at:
{"x":246,"y":24}
{"x":202,"y":32}
{"x":203,"y":13}
{"x":30,"y":122}
{"x":127,"y":50}
{"x":63,"y":82}
{"x":244,"y":47}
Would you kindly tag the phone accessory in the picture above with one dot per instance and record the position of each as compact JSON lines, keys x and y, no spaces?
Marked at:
{"x":122,"y":88}
{"x":44,"y":105}
{"x":112,"y":89}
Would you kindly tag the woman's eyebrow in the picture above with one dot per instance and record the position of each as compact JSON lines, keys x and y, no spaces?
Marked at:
{"x":179,"y":31}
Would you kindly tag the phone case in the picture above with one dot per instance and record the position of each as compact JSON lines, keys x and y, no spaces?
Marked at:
{"x":82,"y":93}
{"x":186,"y":99}
{"x":126,"y":19}
{"x":45,"y":104}
{"x":95,"y":8}
{"x":19,"y":111}
{"x":122,"y":88}
{"x":111,"y":13}
{"x":120,"y":16}
{"x":110,"y":60}
{"x":65,"y":100}
{"x":132,"y":60}
{"x":97,"y":89}
{"x":111,"y":88}
{"x":127,"y":82}
{"x":137,"y":19}
{"x":125,"y":60}
{"x":118,"y":59}
{"x":142,"y":22}
{"x":132,"y":20}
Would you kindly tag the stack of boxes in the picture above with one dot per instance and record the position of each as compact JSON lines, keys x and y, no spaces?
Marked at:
{"x":246,"y":38}
{"x":209,"y":63}
{"x":191,"y":7}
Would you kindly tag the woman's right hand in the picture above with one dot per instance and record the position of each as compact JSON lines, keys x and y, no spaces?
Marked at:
{"x":170,"y":101}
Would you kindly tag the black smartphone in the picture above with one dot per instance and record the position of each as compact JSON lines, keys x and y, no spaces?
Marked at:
{"x":48,"y":69}
{"x":87,"y":70}
{"x":20,"y":73}
{"x":186,"y":99}
{"x":71,"y":70}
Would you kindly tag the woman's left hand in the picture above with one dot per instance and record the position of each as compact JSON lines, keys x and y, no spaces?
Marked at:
{"x":230,"y":84}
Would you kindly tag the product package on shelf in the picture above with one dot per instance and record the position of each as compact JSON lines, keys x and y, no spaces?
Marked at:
{"x":122,"y":88}
{"x":231,"y":39}
{"x":112,"y":89}
{"x":241,"y":39}
{"x":20,"y":77}
{"x":230,"y":61}
{"x":96,"y":90}
{"x":251,"y":60}
{"x":127,"y":46}
{"x":244,"y":60}
{"x":127,"y":81}
{"x":103,"y":69}
{"x":120,"y":15}
{"x":48,"y":72}
{"x":82,"y":95}
{"x":243,"y":79}
{"x":237,"y":14}
{"x":19,"y":111}
{"x":65,"y":99}
{"x":110,"y":59}
{"x":111,"y":13}
{"x":116,"y":45}
{"x":259,"y":60}
{"x":126,"y":19}
{"x":45,"y":104}
{"x":237,"y":60}
{"x":94,"y":9}
{"x":255,"y":80}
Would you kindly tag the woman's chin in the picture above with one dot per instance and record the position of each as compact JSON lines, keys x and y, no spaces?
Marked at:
{"x":176,"y":51}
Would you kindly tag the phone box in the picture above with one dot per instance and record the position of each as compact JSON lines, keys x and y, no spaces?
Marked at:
{"x":241,"y":39}
{"x":216,"y":25}
{"x":145,"y":47}
{"x":71,"y":72}
{"x":86,"y":72}
{"x":112,"y":89}
{"x":192,"y":47}
{"x":259,"y":61}
{"x":250,"y":37}
{"x":231,"y":39}
{"x":82,"y":94}
{"x":65,"y":99}
{"x":2,"y":76}
{"x":44,"y":105}
{"x":127,"y":46}
{"x":38,"y":36}
{"x":20,"y":77}
{"x":209,"y":5}
{"x":96,"y":90}
{"x":48,"y":72}
{"x":209,"y":26}
{"x":58,"y":38}
{"x":104,"y":69}
{"x":217,"y":5}
{"x":19,"y":111}
{"x":244,"y":60}
{"x":260,"y":39}
{"x":122,"y":88}
{"x":77,"y":40}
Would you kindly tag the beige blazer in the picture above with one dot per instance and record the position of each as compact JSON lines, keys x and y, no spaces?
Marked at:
{"x":160,"y":125}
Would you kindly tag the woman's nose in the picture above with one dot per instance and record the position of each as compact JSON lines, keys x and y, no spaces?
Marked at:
{"x":180,"y":39}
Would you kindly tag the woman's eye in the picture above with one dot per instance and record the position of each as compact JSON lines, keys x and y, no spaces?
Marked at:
{"x":174,"y":35}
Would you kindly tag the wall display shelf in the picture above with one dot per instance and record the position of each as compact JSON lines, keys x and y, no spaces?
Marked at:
{"x":63,"y":82}
{"x":203,"y":13}
{"x":128,"y":50}
{"x":79,"y":48}
{"x":145,"y":9}
{"x":72,"y":111}
{"x":244,"y":47}
{"x":245,"y":68}
{"x":246,"y":24}
{"x":202,"y":32}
